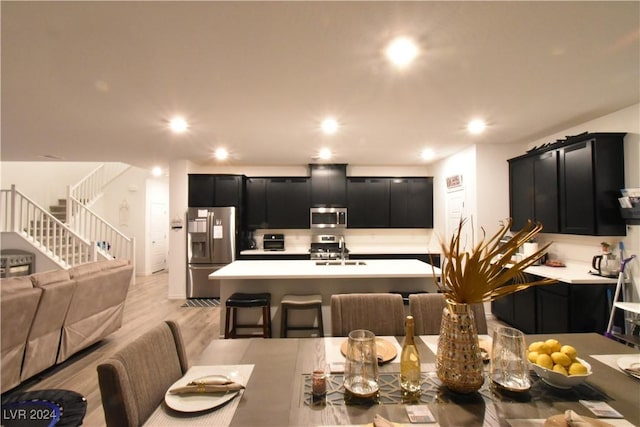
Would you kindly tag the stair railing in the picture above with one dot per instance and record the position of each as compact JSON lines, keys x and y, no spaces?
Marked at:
{"x":90,"y":188}
{"x":34,"y":223}
{"x":109,"y":240}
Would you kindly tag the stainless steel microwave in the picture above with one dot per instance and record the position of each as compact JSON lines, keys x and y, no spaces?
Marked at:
{"x":328,"y":218}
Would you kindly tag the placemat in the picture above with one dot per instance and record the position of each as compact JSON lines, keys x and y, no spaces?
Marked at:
{"x":221,"y":416}
{"x":611,"y":360}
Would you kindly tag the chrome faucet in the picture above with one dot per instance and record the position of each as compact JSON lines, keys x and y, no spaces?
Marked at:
{"x":341,"y":245}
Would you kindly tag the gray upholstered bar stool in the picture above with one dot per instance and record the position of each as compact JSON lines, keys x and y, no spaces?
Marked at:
{"x":242,"y":300}
{"x":300,"y":302}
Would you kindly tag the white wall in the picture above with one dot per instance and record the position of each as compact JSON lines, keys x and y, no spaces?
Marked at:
{"x":178,"y":186}
{"x":44,"y":182}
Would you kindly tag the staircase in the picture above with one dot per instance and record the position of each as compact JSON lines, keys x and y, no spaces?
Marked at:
{"x":70,"y":233}
{"x":59,"y":211}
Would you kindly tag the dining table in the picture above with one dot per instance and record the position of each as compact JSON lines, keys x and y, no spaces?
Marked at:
{"x":277,"y":376}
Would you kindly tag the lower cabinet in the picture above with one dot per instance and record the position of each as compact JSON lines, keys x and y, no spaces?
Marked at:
{"x":557,"y":308}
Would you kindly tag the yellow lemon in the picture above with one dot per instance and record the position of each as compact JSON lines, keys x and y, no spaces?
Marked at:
{"x":569,"y":351}
{"x":545,"y":361}
{"x":577,"y":368}
{"x":532,"y":356}
{"x":554,"y":345}
{"x":536,"y":346}
{"x":560,"y":358}
{"x":560,"y":368}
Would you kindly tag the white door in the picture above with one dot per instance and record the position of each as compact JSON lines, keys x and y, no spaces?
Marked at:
{"x":159,"y":226}
{"x":455,"y":205}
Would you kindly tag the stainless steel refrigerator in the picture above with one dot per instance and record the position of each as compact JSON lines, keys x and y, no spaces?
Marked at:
{"x":211,"y":244}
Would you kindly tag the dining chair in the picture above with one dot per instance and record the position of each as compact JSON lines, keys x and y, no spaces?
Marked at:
{"x":426,"y":310}
{"x":134,"y":380}
{"x":380,"y":313}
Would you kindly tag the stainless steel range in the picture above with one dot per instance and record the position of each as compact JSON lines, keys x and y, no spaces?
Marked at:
{"x":328,"y":246}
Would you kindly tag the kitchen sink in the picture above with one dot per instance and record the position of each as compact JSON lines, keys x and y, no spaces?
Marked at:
{"x":341,"y":263}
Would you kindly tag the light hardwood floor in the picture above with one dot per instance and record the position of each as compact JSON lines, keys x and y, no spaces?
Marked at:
{"x":147,"y":305}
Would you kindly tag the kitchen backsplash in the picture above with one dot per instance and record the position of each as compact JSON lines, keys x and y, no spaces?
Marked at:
{"x":363,"y":240}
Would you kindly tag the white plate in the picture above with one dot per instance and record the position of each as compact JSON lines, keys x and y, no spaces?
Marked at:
{"x":204,"y":401}
{"x":627,"y":362}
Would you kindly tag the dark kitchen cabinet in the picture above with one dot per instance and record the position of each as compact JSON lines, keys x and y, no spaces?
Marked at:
{"x":201,"y":190}
{"x":329,"y":185}
{"x":545,"y":199}
{"x":573,"y":308}
{"x":533,"y":191}
{"x":411,"y":203}
{"x":517,"y":309}
{"x":211,"y":190}
{"x":571,"y":187}
{"x":553,"y":309}
{"x":288,"y":202}
{"x":256,"y":203}
{"x":367,"y":202}
{"x":591,"y":176}
{"x":521,"y":191}
{"x":556,"y":308}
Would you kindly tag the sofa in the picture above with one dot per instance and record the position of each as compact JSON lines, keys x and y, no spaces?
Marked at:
{"x":50,"y":316}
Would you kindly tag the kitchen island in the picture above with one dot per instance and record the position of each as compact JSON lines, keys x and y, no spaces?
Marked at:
{"x":282,"y":277}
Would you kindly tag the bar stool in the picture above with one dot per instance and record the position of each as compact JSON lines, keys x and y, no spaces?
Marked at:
{"x":300,"y":302}
{"x":240,"y":300}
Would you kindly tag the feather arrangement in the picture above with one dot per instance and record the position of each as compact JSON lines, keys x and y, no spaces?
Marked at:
{"x":487,"y":272}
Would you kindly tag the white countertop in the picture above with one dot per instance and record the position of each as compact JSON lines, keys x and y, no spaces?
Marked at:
{"x":292,"y":251}
{"x":303,"y":269}
{"x":357,"y":250}
{"x":574,"y":273}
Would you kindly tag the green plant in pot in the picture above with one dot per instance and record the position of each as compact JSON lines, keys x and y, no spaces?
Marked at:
{"x":480,"y":274}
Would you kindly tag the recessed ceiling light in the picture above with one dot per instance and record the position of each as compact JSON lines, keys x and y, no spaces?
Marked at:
{"x":427,"y":154}
{"x":221,"y":154}
{"x":325,"y":154}
{"x":178,"y":125}
{"x":402,"y":51}
{"x":156,"y":171}
{"x":329,"y":126}
{"x":476,"y":126}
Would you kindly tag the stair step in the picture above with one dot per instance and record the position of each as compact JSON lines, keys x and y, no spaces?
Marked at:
{"x":57,"y":208}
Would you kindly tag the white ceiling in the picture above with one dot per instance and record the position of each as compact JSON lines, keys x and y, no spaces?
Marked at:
{"x":97,"y":81}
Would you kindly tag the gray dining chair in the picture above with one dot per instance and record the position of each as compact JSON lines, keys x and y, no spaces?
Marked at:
{"x":426,"y":310}
{"x":134,"y":380}
{"x":380,"y":313}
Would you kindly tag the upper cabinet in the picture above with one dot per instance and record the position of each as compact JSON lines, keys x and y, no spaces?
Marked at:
{"x":328,"y":185}
{"x":208,"y":190}
{"x":571,"y":187}
{"x":411,"y":203}
{"x":375,"y":202}
{"x":367,"y":202}
{"x":288,"y":202}
{"x":534,"y":190}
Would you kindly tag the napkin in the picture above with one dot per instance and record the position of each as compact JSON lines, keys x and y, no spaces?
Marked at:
{"x":206,"y":388}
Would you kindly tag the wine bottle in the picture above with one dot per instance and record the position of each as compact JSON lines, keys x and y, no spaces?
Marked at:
{"x":409,"y":363}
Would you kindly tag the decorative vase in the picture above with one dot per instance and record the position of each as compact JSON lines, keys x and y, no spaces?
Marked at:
{"x":458,"y":360}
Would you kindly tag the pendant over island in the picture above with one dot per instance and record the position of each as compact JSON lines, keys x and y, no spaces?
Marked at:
{"x":304,"y":277}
